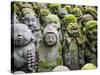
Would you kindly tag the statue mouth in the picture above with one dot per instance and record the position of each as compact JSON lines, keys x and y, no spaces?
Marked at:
{"x":20,"y":39}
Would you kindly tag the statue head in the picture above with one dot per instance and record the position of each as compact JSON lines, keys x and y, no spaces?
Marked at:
{"x":73,"y":30}
{"x":85,"y":18}
{"x":31,"y":21}
{"x":22,"y":35}
{"x":54,"y":8}
{"x":68,"y":8}
{"x":50,"y":36}
{"x":91,"y":30}
{"x":43,"y":13}
{"x":77,"y":12}
{"x":62,"y":12}
{"x":69,"y":19}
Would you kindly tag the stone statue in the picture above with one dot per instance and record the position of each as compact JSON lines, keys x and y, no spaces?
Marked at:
{"x":43,"y":13}
{"x":91,"y":42}
{"x":73,"y":47}
{"x":54,"y":8}
{"x":33,"y":24}
{"x":24,"y":49}
{"x":53,"y":20}
{"x":62,"y":13}
{"x":50,"y":54}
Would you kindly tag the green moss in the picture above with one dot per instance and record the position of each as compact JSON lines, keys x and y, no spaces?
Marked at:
{"x":54,"y":8}
{"x":52,"y":18}
{"x":72,"y":26}
{"x":44,"y":12}
{"x":88,"y":66}
{"x":77,"y":12}
{"x":68,"y":8}
{"x":70,"y":19}
{"x":14,"y":7}
{"x":91,"y":24}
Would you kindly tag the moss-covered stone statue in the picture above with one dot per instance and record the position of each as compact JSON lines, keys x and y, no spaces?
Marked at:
{"x":69,"y":19}
{"x":68,"y":8}
{"x":54,"y":8}
{"x":43,"y":13}
{"x":33,"y":24}
{"x":66,"y":20}
{"x":77,"y":12}
{"x":53,"y":20}
{"x":73,"y":47}
{"x":83,"y":20}
{"x":62,"y":13}
{"x":38,"y":6}
{"x":24,"y":49}
{"x":91,"y":10}
{"x":91,"y":43}
{"x":50,"y":51}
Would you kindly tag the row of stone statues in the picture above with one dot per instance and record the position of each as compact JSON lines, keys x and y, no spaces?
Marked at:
{"x":53,"y":37}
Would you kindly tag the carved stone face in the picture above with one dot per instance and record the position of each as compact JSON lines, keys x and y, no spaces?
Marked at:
{"x":91,"y":30}
{"x":73,"y":30}
{"x":31,"y":21}
{"x":22,"y":35}
{"x":43,"y":13}
{"x":54,"y":8}
{"x":63,"y":12}
{"x":50,"y":39}
{"x":77,"y":12}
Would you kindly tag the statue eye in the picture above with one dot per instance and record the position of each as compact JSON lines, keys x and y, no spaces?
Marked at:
{"x":26,"y":20}
{"x":33,"y":19}
{"x":47,"y":37}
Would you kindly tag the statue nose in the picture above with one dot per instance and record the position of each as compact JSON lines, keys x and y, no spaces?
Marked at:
{"x":30,"y":22}
{"x":20,"y":34}
{"x":30,"y":25}
{"x":50,"y":39}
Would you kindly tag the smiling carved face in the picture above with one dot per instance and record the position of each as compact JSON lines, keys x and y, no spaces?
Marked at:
{"x":31,"y":21}
{"x":73,"y":29}
{"x":22,"y":35}
{"x":50,"y":39}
